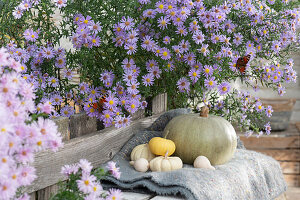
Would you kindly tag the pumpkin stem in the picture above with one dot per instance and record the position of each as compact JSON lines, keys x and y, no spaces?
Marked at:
{"x":166,"y":155}
{"x":204,"y":111}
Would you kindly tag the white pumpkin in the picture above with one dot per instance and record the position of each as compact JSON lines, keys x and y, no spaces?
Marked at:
{"x":142,"y":151}
{"x":202,"y":162}
{"x":140,"y":165}
{"x":164,"y":163}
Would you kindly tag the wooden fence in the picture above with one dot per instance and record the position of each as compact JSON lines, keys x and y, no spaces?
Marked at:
{"x":83,"y":140}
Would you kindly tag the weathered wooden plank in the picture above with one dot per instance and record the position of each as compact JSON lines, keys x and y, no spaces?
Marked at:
{"x":271,"y":142}
{"x":159,"y":104}
{"x":282,"y":154}
{"x":63,"y":127}
{"x":82,"y":124}
{"x":292,"y":193}
{"x":290,"y":167}
{"x":97,"y":147}
{"x":32,"y":196}
{"x":292,"y":179}
{"x":47,"y":192}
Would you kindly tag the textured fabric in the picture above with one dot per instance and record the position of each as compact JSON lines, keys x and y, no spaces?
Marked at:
{"x":248,"y":175}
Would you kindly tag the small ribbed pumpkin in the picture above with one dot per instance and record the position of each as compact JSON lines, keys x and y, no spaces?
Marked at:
{"x":165,"y":163}
{"x":141,"y":151}
{"x":160,"y":146}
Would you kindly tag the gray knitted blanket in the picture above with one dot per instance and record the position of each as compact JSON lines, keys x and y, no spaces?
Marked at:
{"x":248,"y":175}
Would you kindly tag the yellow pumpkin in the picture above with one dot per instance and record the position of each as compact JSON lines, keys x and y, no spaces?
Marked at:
{"x":164,"y":163}
{"x":141,"y":151}
{"x":160,"y":146}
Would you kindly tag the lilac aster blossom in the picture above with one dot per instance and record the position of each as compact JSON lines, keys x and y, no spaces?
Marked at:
{"x":190,"y":58}
{"x":144,"y":104}
{"x":126,"y":23}
{"x":166,"y":40}
{"x":85,"y":184}
{"x":148,"y":79}
{"x":269,"y":111}
{"x":207,"y":71}
{"x":132,"y":105}
{"x":114,"y":194}
{"x":54,"y":82}
{"x":18,"y":12}
{"x":68,"y":74}
{"x":160,"y":7}
{"x":224,"y":88}
{"x":150,"y":64}
{"x":56,"y":99}
{"x":48,"y":52}
{"x":111,"y":102}
{"x":155,"y":71}
{"x":60,"y":62}
{"x":194,"y":75}
{"x":204,"y":49}
{"x":198,"y":37}
{"x":131,"y":48}
{"x":132,"y":87}
{"x":163,"y":22}
{"x":147,"y":43}
{"x":107,"y":77}
{"x":259,"y":107}
{"x":184,"y":45}
{"x":60,"y":3}
{"x":268,"y":128}
{"x":276,"y":46}
{"x":183,"y":85}
{"x":95,"y":27}
{"x":83,"y":88}
{"x":181,"y":31}
{"x":210,"y":83}
{"x":113,"y":169}
{"x":67,"y":111}
{"x":30,"y":35}
{"x":26,"y":5}
{"x":165,"y":54}
{"x":149,"y":13}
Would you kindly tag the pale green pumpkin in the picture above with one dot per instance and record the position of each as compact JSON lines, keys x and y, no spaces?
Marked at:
{"x":195,"y":135}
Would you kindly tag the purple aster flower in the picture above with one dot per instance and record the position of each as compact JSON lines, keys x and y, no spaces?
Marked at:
{"x":111,"y":102}
{"x":95,"y":27}
{"x":268,"y":128}
{"x":210,"y":83}
{"x":132,"y":105}
{"x":67,"y":111}
{"x":190,"y":58}
{"x":85,"y":184}
{"x":54,"y":82}
{"x":269,"y":111}
{"x":30,"y":35}
{"x":170,"y":66}
{"x":184,"y":45}
{"x":165,"y":54}
{"x":149,"y":13}
{"x":60,"y":62}
{"x":94,"y":41}
{"x":150,"y":64}
{"x":238,"y":38}
{"x":56,"y":100}
{"x":181,"y":31}
{"x":281,"y":91}
{"x":194,"y":74}
{"x":60,"y":3}
{"x":132,"y":87}
{"x":144,"y":104}
{"x":147,"y":43}
{"x":128,"y":76}
{"x":163,"y":22}
{"x":207,"y":70}
{"x":198,"y":37}
{"x":131,"y":48}
{"x":166,"y":40}
{"x":128,"y":64}
{"x":18,"y":12}
{"x":155,"y":71}
{"x":224,"y":88}
{"x":148,"y":79}
{"x":276,"y":46}
{"x":204,"y":49}
{"x":26,"y":5}
{"x":114,"y":194}
{"x":107,"y":77}
{"x":160,"y":7}
{"x":126,"y":23}
{"x":83,"y":88}
{"x":48,"y":52}
{"x":177,"y":49}
{"x":68,"y":74}
{"x":183,"y":85}
{"x":113,"y":169}
{"x":259,"y":107}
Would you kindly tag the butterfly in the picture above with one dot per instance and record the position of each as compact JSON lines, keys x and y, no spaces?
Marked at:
{"x":99,"y":105}
{"x":241,"y":64}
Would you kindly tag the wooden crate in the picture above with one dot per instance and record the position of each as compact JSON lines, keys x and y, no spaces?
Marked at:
{"x":283,"y":146}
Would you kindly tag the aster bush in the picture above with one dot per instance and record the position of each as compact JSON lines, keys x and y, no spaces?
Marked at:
{"x":83,"y":183}
{"x":129,"y":51}
{"x":23,"y":130}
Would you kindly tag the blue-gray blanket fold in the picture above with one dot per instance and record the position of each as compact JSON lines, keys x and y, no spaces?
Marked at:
{"x":248,"y":175}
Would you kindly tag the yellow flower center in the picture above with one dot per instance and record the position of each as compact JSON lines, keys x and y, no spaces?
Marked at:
{"x":161,"y":6}
{"x":85,"y":21}
{"x":111,"y":102}
{"x":194,"y":74}
{"x":107,"y":116}
{"x":224,"y":89}
{"x":39,"y":143}
{"x":86,"y":182}
{"x":165,"y":53}
{"x":207,"y":70}
{"x":132,"y":106}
